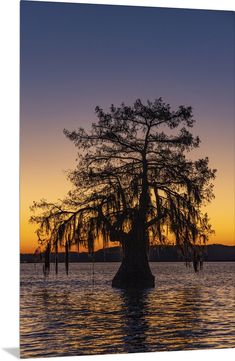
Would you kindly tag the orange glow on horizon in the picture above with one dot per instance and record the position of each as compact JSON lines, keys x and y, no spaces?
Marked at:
{"x":43,"y":176}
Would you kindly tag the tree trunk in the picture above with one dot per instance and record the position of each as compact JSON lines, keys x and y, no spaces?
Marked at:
{"x":134,"y":271}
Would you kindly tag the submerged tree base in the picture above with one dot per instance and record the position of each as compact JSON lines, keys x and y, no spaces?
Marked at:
{"x":134,"y":277}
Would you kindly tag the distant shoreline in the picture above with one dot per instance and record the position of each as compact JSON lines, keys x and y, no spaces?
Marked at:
{"x":214,"y":253}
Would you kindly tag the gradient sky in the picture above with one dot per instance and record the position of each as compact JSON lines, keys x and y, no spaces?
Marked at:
{"x":74,"y":57}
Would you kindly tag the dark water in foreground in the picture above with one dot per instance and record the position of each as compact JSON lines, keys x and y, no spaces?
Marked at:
{"x":71,"y":315}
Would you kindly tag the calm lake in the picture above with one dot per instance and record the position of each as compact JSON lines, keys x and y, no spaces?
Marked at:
{"x":82,"y":314}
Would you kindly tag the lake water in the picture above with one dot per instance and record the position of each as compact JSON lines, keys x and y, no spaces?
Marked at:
{"x":80,"y":314}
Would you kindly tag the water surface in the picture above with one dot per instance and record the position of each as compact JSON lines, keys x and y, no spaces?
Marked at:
{"x":82,"y":314}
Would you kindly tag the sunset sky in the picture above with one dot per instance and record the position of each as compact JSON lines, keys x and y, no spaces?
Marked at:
{"x":74,"y":57}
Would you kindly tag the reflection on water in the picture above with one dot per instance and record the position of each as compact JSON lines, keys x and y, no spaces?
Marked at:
{"x":135,"y":325}
{"x":71,"y":315}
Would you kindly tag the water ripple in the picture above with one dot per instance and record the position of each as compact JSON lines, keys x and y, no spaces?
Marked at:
{"x":78,"y":315}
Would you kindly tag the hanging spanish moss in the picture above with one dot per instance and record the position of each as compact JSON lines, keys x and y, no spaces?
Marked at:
{"x":134,"y":186}
{"x":67,"y":257}
{"x":46,"y":266}
{"x":56,"y":258}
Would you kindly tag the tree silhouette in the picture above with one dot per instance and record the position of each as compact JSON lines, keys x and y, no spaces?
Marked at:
{"x":133,"y":184}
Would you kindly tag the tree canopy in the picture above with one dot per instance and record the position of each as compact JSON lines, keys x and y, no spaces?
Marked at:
{"x":133,"y":173}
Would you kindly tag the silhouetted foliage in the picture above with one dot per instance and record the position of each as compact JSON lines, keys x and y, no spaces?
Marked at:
{"x":133,"y":183}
